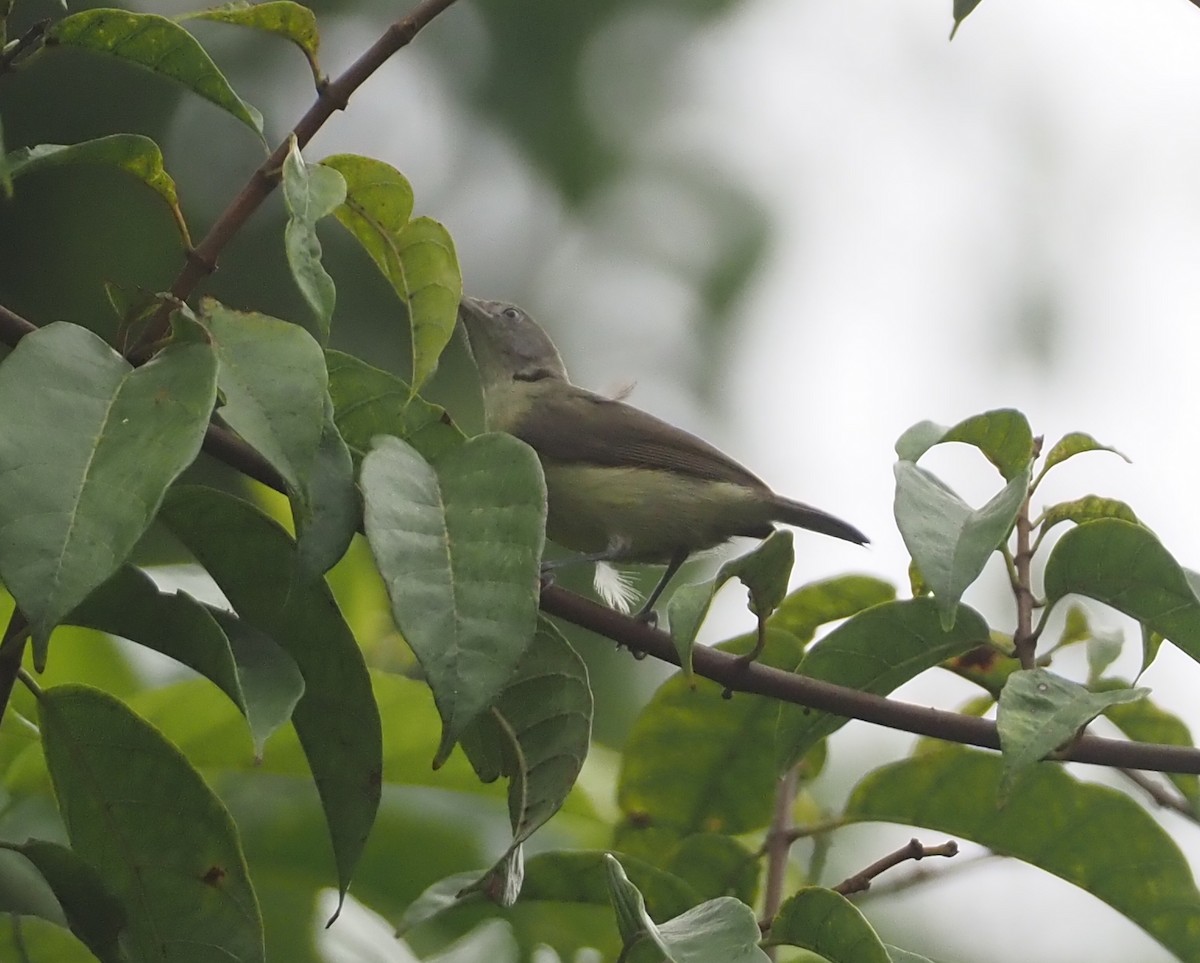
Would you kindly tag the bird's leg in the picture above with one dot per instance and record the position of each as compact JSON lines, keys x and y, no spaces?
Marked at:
{"x":647,"y":614}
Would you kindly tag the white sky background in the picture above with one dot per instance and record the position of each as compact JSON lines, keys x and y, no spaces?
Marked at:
{"x":922,"y":187}
{"x":921,"y":190}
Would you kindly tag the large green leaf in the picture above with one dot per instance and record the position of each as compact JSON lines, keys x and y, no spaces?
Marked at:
{"x":876,"y":651}
{"x":1095,"y":837}
{"x":156,"y":44}
{"x":88,"y":461}
{"x":254,"y":562}
{"x":458,"y":544}
{"x":415,"y":255}
{"x":157,"y":836}
{"x":273,"y":379}
{"x":131,"y":153}
{"x":1124,"y":565}
{"x":537,"y":734}
{"x":258,"y":676}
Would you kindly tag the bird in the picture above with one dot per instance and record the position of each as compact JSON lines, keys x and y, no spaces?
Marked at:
{"x":622,"y":486}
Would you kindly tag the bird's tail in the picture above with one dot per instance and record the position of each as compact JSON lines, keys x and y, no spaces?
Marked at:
{"x":815,"y":520}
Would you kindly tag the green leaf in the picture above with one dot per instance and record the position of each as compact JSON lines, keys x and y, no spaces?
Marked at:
{"x":458,"y":544}
{"x":1068,"y":446}
{"x":876,"y":651}
{"x":1003,"y":435}
{"x":721,"y":930}
{"x":86,"y":467}
{"x":94,"y":915}
{"x":156,"y":44}
{"x":537,"y":733}
{"x":328,"y":510}
{"x":1103,"y":648}
{"x":558,"y":877}
{"x":283,"y":18}
{"x":961,"y":9}
{"x":415,"y":256}
{"x":950,"y":541}
{"x":764,"y":571}
{"x":905,"y":956}
{"x":716,"y":865}
{"x":695,"y":761}
{"x":1086,"y":509}
{"x":1125,"y":566}
{"x":131,"y":153}
{"x":825,"y":922}
{"x":809,"y":607}
{"x":633,"y":922}
{"x":1094,"y":837}
{"x":137,"y":811}
{"x":259,"y":677}
{"x":273,"y":378}
{"x":368,"y":402}
{"x":310,"y":194}
{"x":1039,"y":711}
{"x":254,"y":563}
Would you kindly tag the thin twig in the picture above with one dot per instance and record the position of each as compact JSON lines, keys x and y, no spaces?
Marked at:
{"x":331,"y":97}
{"x":861,"y":882}
{"x":920,"y":875}
{"x":796,"y":833}
{"x":12,"y":651}
{"x":1024,"y":637}
{"x":1161,"y":794}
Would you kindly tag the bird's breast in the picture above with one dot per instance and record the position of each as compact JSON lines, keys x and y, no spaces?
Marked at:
{"x":648,"y":514}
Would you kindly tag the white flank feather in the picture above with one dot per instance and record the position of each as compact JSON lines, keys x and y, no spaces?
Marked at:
{"x":614,"y":587}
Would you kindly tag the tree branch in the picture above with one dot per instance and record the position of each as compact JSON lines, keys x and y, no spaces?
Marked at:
{"x":738,"y":675}
{"x":778,"y":844}
{"x":861,"y":881}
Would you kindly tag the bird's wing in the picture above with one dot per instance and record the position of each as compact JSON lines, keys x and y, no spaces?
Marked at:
{"x":583,"y":427}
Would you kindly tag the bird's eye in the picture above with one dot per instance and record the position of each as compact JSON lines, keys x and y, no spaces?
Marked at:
{"x":512,"y":314}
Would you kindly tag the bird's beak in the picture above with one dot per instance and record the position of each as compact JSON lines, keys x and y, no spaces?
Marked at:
{"x":470,"y":307}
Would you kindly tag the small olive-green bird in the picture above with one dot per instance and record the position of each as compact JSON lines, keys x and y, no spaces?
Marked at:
{"x":621,"y":485}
